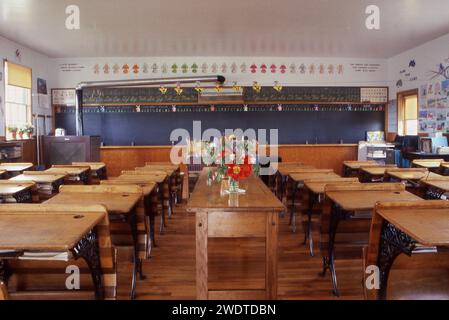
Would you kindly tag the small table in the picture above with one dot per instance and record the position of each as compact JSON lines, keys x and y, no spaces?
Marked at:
{"x":47,"y":184}
{"x":74,"y":174}
{"x":120,"y":206}
{"x":298,"y":178}
{"x":15,"y":168}
{"x":315,"y":188}
{"x":352,"y":167}
{"x":253,"y":214}
{"x":21,"y":192}
{"x":63,"y":232}
{"x":97,"y":169}
{"x":373,"y":173}
{"x":345,"y":203}
{"x":401,"y":229}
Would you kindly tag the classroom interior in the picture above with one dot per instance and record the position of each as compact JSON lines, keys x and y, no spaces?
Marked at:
{"x":237,"y":150}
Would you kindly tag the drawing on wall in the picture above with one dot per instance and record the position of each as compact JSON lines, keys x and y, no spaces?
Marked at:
{"x":443,"y":71}
{"x":41,"y":86}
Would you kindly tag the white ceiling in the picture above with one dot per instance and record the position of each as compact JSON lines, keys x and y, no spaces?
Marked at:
{"x":332,"y":28}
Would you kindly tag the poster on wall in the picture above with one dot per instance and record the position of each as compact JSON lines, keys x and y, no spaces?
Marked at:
{"x":42,"y":94}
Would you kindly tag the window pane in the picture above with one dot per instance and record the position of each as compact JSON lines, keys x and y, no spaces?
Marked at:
{"x":411,"y":127}
{"x":411,"y":107}
{"x":17,"y":106}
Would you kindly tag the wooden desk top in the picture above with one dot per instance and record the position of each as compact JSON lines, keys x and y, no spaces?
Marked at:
{"x":440,"y":184}
{"x":256,"y":198}
{"x":298,"y":177}
{"x":144,"y":177}
{"x":9,"y":188}
{"x":94,"y":166}
{"x":351,"y":200}
{"x":445,"y":164}
{"x":15,"y":167}
{"x":317,"y":185}
{"x":168,"y":171}
{"x":2,"y":172}
{"x":286,"y":170}
{"x":120,"y":203}
{"x":36,"y":231}
{"x":39,"y":177}
{"x":73,"y":171}
{"x":429,"y":227}
{"x":357,"y":164}
{"x":147,"y":186}
{"x":428,"y":163}
{"x":376,"y":170}
{"x":411,"y":174}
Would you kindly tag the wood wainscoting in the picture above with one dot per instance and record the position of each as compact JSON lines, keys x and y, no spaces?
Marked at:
{"x":322,"y":156}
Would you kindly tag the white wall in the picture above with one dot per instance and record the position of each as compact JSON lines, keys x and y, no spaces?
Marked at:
{"x":69,"y":72}
{"x":42,"y":67}
{"x":427,"y":58}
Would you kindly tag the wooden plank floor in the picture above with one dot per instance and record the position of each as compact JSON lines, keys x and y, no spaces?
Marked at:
{"x":171,"y":271}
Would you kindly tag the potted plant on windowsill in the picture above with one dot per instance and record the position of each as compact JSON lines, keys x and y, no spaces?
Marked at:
{"x":21,"y":132}
{"x":13,"y":131}
{"x":29,"y":130}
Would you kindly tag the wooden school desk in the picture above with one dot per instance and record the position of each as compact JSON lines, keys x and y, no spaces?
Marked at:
{"x":444,"y":168}
{"x":374,"y":173}
{"x":148,"y":203}
{"x":431,"y":164}
{"x":296,"y":180}
{"x":314,"y":192}
{"x":351,"y":167}
{"x":435,"y":188}
{"x":32,"y":232}
{"x":47,"y":183}
{"x":120,"y":202}
{"x":75,"y":174}
{"x":97,"y":169}
{"x":14,"y":168}
{"x":281,"y":176}
{"x":353,"y":203}
{"x":21,"y":192}
{"x":175,"y":175}
{"x":251,"y":215}
{"x":400,"y":228}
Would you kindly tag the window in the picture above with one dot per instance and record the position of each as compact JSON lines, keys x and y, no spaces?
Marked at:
{"x":17,"y":96}
{"x":408,"y":113}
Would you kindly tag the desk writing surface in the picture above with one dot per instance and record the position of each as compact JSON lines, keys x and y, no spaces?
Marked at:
{"x":147,"y":177}
{"x":147,"y":187}
{"x":317,"y":185}
{"x":351,"y":200}
{"x":410,"y":175}
{"x":298,"y":177}
{"x":94,"y":166}
{"x":358,"y":164}
{"x":120,"y":203}
{"x":440,"y":184}
{"x":286,"y":170}
{"x":429,"y":226}
{"x":55,"y":231}
{"x":9,"y":189}
{"x":256,"y":198}
{"x":427,"y":164}
{"x":39,"y":178}
{"x":15,"y":168}
{"x":375,"y":171}
{"x":73,"y":171}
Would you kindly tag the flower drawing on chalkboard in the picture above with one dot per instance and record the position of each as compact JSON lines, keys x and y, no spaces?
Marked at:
{"x":97,"y":68}
{"x":256,"y":87}
{"x":204,"y":67}
{"x":125,"y":68}
{"x":116,"y":68}
{"x":292,"y":68}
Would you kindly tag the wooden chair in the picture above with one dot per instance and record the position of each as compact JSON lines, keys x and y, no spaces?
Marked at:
{"x":45,"y":279}
{"x":422,"y":275}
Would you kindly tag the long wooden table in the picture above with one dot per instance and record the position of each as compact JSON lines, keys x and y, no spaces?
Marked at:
{"x":399,"y":228}
{"x":253,"y":214}
{"x":120,"y":202}
{"x":356,"y":201}
{"x":32,"y":229}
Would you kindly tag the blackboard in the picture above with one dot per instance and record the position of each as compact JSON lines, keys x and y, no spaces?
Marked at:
{"x":111,"y":96}
{"x":294,"y":127}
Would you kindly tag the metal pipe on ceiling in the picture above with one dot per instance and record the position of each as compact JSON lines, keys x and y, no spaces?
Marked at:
{"x":130,"y":83}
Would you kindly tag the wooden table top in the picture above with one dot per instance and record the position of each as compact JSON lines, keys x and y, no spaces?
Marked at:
{"x":119,"y":203}
{"x":317,"y":185}
{"x":440,"y":184}
{"x":35,"y":231}
{"x":73,"y":171}
{"x":411,"y":174}
{"x":286,"y":170}
{"x":94,"y":166}
{"x":298,"y":177}
{"x":256,"y":198}
{"x":428,"y":163}
{"x":2,"y":172}
{"x":147,"y":186}
{"x":351,"y":200}
{"x":39,"y":178}
{"x":375,"y":170}
{"x":144,"y":177}
{"x":429,"y":227}
{"x":168,"y":171}
{"x":10,"y":188}
{"x":11,"y":167}
{"x":357,"y":164}
{"x":445,"y":164}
